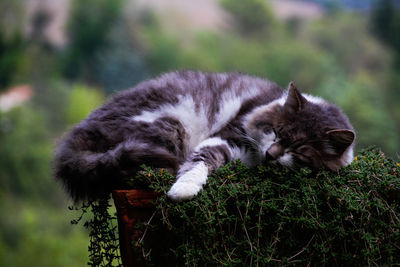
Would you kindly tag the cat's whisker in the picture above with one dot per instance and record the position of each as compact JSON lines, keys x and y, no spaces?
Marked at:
{"x":246,"y":138}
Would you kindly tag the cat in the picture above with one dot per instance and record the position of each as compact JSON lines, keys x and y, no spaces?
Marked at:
{"x":192,"y":123}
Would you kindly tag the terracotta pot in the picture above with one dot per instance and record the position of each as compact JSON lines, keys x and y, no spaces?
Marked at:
{"x":133,"y":207}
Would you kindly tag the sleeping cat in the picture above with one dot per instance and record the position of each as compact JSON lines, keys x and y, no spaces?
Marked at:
{"x":192,"y":123}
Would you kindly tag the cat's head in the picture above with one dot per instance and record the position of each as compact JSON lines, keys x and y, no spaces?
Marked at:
{"x":306,"y":131}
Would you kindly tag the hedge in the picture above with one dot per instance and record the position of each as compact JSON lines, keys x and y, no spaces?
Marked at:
{"x":270,"y":216}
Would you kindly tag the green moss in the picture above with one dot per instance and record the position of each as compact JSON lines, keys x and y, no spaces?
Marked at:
{"x":273,"y":216}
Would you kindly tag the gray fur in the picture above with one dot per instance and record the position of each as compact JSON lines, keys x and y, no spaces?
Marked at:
{"x":192,"y":123}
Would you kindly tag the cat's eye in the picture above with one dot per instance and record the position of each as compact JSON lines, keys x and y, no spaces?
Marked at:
{"x":297,"y":144}
{"x":276,"y":131}
{"x":303,"y":159}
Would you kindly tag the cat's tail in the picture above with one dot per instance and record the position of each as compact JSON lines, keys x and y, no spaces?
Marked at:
{"x":91,"y":175}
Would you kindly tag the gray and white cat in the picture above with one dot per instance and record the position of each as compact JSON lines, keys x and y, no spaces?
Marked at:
{"x":192,"y":123}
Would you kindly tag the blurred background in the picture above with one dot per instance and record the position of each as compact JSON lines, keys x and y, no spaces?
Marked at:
{"x":59,"y":59}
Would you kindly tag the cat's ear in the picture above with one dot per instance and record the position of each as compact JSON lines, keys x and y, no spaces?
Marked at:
{"x":340,"y":140}
{"x":295,"y":101}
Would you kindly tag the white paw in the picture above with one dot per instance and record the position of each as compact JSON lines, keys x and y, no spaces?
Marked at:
{"x":183,"y":191}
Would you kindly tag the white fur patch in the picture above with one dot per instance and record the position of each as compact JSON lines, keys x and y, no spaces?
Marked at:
{"x":240,"y":153}
{"x":314,"y":99}
{"x":189,"y":183}
{"x":184,"y":108}
{"x":286,"y":160}
{"x":229,"y":107}
{"x":194,"y":121}
{"x":348,"y":156}
{"x":214,"y":141}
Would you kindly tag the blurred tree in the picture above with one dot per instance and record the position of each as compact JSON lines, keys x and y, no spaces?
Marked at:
{"x":12,"y":16}
{"x":26,"y":142}
{"x":164,"y":51}
{"x":363,"y":53}
{"x":40,"y":22}
{"x":89,"y":23}
{"x":51,"y":98}
{"x":11,"y":57}
{"x":385,"y":22}
{"x":281,"y":60}
{"x":287,"y":60}
{"x":252,"y":16}
{"x":38,"y":235}
{"x":12,"y":44}
{"x":120,"y":65}
{"x":82,"y":100}
{"x":25,"y":152}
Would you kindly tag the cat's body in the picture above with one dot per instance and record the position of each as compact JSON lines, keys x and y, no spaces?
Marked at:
{"x":192,"y":123}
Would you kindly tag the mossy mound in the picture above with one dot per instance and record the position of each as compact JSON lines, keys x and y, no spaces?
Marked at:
{"x":273,"y":216}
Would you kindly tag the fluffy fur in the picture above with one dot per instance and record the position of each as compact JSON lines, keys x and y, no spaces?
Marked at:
{"x":192,"y":123}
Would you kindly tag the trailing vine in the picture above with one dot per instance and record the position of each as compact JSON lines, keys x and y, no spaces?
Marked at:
{"x":103,"y":233}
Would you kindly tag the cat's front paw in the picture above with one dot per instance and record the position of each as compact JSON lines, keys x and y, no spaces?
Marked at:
{"x":190,"y":182}
{"x":183,"y":191}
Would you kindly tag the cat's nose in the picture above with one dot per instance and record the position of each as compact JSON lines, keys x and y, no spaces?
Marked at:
{"x":274,"y":152}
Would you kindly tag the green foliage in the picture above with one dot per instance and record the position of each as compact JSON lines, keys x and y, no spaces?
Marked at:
{"x":11,"y":16}
{"x":269,"y":215}
{"x":51,"y":99}
{"x":34,"y":234}
{"x":88,"y":27}
{"x":119,"y":65}
{"x":252,"y":16}
{"x":279,"y":60}
{"x":164,"y":50}
{"x":103,"y":248}
{"x":11,"y":57}
{"x":273,"y":216}
{"x":26,"y":144}
{"x":288,"y":60}
{"x":25,"y":153}
{"x":82,"y":100}
{"x":385,"y":23}
{"x":33,"y":229}
{"x":365,"y":53}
